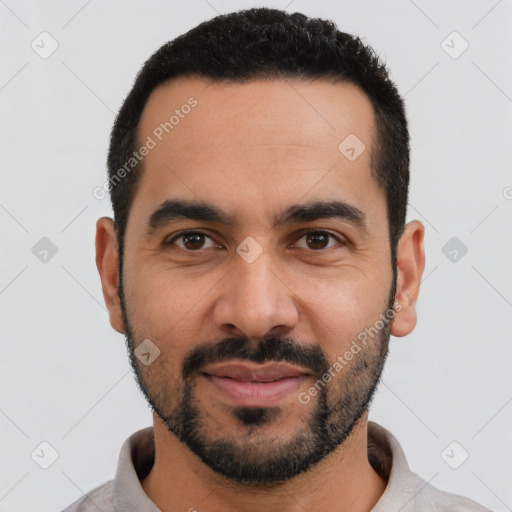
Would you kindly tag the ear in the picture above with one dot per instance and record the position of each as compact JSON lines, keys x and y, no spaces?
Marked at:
{"x":410,"y":265}
{"x":107,"y":262}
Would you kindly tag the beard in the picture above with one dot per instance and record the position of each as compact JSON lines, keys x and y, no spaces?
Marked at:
{"x":257,"y":456}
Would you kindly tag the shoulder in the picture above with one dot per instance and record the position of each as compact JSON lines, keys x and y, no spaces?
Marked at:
{"x":406,"y":491}
{"x":432,"y":499}
{"x":100,"y":498}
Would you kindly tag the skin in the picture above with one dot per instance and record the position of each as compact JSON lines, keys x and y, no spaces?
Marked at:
{"x":254,"y":149}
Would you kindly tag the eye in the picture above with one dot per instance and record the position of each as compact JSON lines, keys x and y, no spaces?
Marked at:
{"x":192,"y":241}
{"x":318,"y":240}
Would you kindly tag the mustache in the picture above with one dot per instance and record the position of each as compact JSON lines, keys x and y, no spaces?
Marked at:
{"x":271,"y":348}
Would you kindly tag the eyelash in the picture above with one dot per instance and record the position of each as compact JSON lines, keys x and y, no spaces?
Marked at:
{"x":313,"y":231}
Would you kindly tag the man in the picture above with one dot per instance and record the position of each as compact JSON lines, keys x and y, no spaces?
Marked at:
{"x":257,"y":263}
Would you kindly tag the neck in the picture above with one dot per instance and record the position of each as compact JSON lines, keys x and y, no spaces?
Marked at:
{"x":343,"y":481}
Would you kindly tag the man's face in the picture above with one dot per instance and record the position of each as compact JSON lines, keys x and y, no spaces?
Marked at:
{"x":254,"y":292}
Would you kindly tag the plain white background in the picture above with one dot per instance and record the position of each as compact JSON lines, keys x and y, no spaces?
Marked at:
{"x":64,"y":373}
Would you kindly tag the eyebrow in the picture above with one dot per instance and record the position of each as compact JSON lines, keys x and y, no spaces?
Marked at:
{"x":173,"y":210}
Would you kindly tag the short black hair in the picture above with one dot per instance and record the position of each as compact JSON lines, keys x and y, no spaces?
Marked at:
{"x":264,"y":43}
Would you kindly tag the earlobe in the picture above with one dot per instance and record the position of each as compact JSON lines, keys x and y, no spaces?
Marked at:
{"x":410,"y":266}
{"x":107,"y":262}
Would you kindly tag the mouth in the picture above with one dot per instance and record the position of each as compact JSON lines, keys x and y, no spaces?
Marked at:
{"x":255,"y":385}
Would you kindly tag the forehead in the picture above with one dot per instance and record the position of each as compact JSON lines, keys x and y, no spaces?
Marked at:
{"x":256,"y":143}
{"x":272,"y":111}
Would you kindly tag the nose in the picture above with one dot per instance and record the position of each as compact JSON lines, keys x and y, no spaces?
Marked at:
{"x":255,"y":300}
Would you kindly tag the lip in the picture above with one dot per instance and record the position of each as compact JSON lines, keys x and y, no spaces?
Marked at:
{"x":255,"y":385}
{"x":244,"y":372}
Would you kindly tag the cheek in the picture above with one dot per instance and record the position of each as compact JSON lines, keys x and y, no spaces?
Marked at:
{"x":340,"y":309}
{"x":165,"y":304}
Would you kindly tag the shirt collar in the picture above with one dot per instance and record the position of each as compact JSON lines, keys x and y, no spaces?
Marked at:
{"x":388,"y":459}
{"x":384,"y":453}
{"x":135,"y":461}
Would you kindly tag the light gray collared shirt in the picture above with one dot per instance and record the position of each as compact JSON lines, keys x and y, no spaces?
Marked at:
{"x":405,"y":491}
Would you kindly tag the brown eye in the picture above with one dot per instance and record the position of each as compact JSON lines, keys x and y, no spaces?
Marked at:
{"x":318,"y":240}
{"x":192,"y":241}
